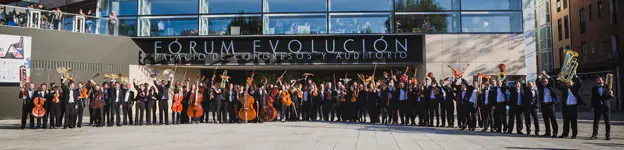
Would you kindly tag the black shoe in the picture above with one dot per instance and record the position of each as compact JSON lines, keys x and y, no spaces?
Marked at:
{"x":563,"y":136}
{"x":608,"y":138}
{"x":593,"y":138}
{"x":546,"y":135}
{"x":520,"y":133}
{"x":573,"y":137}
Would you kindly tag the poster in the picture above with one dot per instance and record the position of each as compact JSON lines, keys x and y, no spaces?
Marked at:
{"x":14,"y":51}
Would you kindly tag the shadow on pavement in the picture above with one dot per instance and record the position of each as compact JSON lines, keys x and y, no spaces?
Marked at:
{"x":537,"y":148}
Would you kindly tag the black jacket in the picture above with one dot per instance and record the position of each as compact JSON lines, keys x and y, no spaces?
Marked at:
{"x":541,"y":88}
{"x":597,"y":98}
{"x":529,"y":99}
{"x":163,"y":90}
{"x":575,"y":91}
{"x":513,"y":96}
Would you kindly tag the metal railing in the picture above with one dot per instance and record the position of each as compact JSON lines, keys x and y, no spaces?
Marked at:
{"x":52,"y":20}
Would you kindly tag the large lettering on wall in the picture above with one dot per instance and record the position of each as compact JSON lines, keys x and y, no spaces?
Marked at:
{"x":282,"y":50}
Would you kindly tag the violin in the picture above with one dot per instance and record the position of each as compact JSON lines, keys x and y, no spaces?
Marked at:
{"x":315,"y":92}
{"x":177,"y":103}
{"x":38,"y":111}
{"x":84,"y":93}
{"x":286,"y":98}
{"x":299,"y":94}
{"x":56,"y":97}
{"x":354,"y":97}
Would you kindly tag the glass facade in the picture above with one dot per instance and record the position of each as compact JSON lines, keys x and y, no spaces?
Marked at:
{"x":258,"y":17}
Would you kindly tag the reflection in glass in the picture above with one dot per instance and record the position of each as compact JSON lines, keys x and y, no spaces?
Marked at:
{"x":295,"y":6}
{"x":127,"y":27}
{"x":121,"y":7}
{"x":357,"y":24}
{"x":492,"y":22}
{"x":426,"y":5}
{"x":296,"y":24}
{"x":361,"y":5}
{"x":161,"y":7}
{"x":231,"y":6}
{"x":240,"y":25}
{"x":491,"y":5}
{"x":170,"y":26}
{"x":427,"y":23}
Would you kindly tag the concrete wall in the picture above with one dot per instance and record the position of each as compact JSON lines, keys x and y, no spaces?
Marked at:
{"x":482,"y":51}
{"x":86,"y":54}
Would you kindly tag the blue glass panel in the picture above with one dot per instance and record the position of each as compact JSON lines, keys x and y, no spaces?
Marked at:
{"x":427,"y":23}
{"x":127,"y":7}
{"x":173,"y":27}
{"x":162,"y":7}
{"x":296,"y":6}
{"x":492,"y":22}
{"x":246,"y":25}
{"x":127,"y":27}
{"x":361,"y":5}
{"x":426,"y":5}
{"x":297,"y":24}
{"x":235,"y":6}
{"x":491,"y":5}
{"x":359,"y":24}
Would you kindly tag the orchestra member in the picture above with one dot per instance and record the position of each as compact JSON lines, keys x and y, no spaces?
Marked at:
{"x":571,"y":98}
{"x":600,"y":103}
{"x":486,"y":105}
{"x":115,"y":98}
{"x":435,"y":95}
{"x":150,"y":106}
{"x":516,"y":97}
{"x":128,"y":102}
{"x":53,"y":107}
{"x":162,"y":99}
{"x":530,"y":105}
{"x":70,"y":97}
{"x":42,"y":93}
{"x":500,"y":102}
{"x":141,"y":99}
{"x":548,"y":102}
{"x":97,"y":97}
{"x":447,"y":105}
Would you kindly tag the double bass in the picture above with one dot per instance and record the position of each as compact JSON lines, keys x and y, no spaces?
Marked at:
{"x":268,"y":111}
{"x":195,"y":110}
{"x":247,"y":112}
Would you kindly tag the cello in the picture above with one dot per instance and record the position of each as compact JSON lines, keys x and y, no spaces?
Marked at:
{"x":268,"y":111}
{"x":247,"y":112}
{"x":176,"y":107}
{"x":195,"y":110}
{"x":38,"y":111}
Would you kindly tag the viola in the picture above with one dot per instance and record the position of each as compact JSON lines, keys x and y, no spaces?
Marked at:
{"x":38,"y":111}
{"x":177,"y":103}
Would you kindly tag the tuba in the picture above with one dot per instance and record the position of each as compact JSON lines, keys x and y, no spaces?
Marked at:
{"x":609,"y":81}
{"x":568,"y":69}
{"x":224,"y":79}
{"x":502,"y":74}
{"x":65,"y":72}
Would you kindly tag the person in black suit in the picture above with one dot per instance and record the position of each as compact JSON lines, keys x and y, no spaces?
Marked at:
{"x":571,"y":99}
{"x":497,"y":94}
{"x":548,"y":102}
{"x":516,"y":97}
{"x":43,"y":93}
{"x":434,"y":95}
{"x":600,"y":102}
{"x":486,"y":104}
{"x":128,"y":102}
{"x":53,"y":108}
{"x":106,"y":87}
{"x":116,"y":98}
{"x":69,"y":97}
{"x":530,"y":103}
{"x":163,"y":97}
{"x":141,"y":100}
{"x":447,"y":106}
{"x":208,"y":98}
{"x":467,"y":98}
{"x":28,"y":96}
{"x":81,"y":103}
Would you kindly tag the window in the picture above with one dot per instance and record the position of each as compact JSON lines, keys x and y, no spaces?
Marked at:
{"x":582,"y":21}
{"x":593,"y":47}
{"x":427,"y":23}
{"x":232,"y":25}
{"x":566,"y":27}
{"x":475,"y":22}
{"x":433,"y":5}
{"x":360,"y":24}
{"x":128,"y":26}
{"x":360,"y":5}
{"x":584,"y":49}
{"x":232,"y":6}
{"x":599,"y":8}
{"x":565,"y":4}
{"x":560,"y":33}
{"x":601,"y":46}
{"x":558,"y":5}
{"x":561,"y":55}
{"x":121,"y":7}
{"x":295,"y":23}
{"x":490,"y":4}
{"x":613,"y":11}
{"x":167,"y":7}
{"x":589,"y":11}
{"x":295,"y":6}
{"x":614,"y":44}
{"x":168,"y":26}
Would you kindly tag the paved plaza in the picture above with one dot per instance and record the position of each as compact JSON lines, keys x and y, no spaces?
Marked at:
{"x":295,"y":136}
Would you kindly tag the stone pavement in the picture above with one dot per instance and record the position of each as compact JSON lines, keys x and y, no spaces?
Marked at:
{"x":294,"y":135}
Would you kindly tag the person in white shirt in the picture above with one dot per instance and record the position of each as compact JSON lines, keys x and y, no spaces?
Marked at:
{"x":600,"y":103}
{"x":516,"y":96}
{"x":570,"y":112}
{"x":28,"y":95}
{"x":547,"y":98}
{"x":70,"y":96}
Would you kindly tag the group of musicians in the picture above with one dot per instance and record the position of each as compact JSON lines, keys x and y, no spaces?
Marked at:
{"x":394,"y":99}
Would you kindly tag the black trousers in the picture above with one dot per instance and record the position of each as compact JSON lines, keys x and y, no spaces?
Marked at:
{"x":414,"y":111}
{"x":340,"y":111}
{"x":515,"y":115}
{"x":605,"y":112}
{"x":53,"y":113}
{"x":127,"y":113}
{"x":107,"y":114}
{"x":316,"y":110}
{"x":531,"y":113}
{"x":216,"y":111}
{"x":150,"y":111}
{"x":206,"y":106}
{"x":461,"y":115}
{"x":91,"y":113}
{"x":447,"y":109}
{"x":59,"y":119}
{"x":79,"y":112}
{"x":469,"y":115}
{"x":98,"y":117}
{"x":27,"y":113}
{"x":225,"y":109}
{"x":487,"y":118}
{"x":394,"y":111}
{"x":433,"y":112}
{"x":329,"y":111}
{"x":232,"y":116}
{"x":500,"y":117}
{"x":70,"y":113}
{"x":163,"y":109}
{"x":404,"y":109}
{"x":548,"y":112}
{"x":139,"y":107}
{"x":423,"y":109}
{"x":115,"y":113}
{"x":306,"y":110}
{"x":45,"y":117}
{"x":570,"y":119}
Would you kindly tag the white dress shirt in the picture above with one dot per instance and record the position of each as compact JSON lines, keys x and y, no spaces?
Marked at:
{"x":71,"y":96}
{"x":117,"y":96}
{"x":571,"y":98}
{"x":127,"y":96}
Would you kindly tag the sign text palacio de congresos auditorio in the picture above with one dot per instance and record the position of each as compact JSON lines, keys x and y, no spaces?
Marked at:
{"x":281,"y":49}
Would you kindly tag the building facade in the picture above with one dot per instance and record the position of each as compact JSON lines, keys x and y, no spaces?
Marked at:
{"x":560,"y":12}
{"x":544,"y":36}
